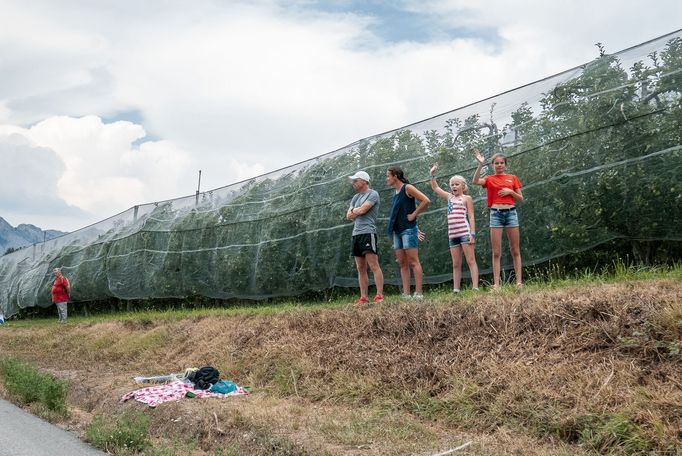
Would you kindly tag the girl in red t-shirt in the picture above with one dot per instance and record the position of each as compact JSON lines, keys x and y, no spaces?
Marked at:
{"x":504,"y":192}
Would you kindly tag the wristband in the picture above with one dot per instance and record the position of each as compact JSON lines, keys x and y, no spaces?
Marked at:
{"x":472,"y":234}
{"x":433,"y":177}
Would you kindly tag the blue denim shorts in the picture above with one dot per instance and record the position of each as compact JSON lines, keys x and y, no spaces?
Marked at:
{"x":454,"y":242}
{"x":504,"y":218}
{"x":406,"y":239}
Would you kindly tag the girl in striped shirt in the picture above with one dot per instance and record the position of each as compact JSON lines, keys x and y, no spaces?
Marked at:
{"x":461,"y":227}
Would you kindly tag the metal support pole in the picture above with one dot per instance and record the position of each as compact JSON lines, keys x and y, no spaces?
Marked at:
{"x":196,"y":203}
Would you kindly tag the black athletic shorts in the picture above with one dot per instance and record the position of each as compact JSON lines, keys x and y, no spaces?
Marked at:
{"x":364,"y":244}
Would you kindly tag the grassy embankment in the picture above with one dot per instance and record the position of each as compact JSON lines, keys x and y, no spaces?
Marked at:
{"x":568,"y":367}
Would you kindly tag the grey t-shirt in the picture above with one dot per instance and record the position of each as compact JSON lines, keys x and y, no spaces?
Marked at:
{"x":366,"y":223}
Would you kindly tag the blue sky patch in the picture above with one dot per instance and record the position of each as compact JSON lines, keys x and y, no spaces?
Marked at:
{"x":135,"y":116}
{"x":394,"y":22}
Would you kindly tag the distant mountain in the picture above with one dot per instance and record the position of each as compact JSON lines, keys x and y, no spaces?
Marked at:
{"x":22,"y":235}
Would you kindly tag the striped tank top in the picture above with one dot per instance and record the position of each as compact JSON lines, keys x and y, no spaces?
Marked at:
{"x":458,"y":223}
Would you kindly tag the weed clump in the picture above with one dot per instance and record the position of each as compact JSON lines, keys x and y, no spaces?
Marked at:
{"x":29,"y":386}
{"x":609,"y":432}
{"x":126,"y":433}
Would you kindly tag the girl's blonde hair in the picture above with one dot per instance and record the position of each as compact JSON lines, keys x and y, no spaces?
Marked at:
{"x":462,"y":180}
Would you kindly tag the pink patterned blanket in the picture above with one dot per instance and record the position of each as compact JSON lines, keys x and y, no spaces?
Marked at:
{"x":155,"y":395}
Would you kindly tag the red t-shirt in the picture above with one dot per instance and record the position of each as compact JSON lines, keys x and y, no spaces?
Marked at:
{"x":495,"y":183}
{"x":59,"y":292}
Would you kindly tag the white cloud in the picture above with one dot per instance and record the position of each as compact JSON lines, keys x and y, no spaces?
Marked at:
{"x":87,"y":164}
{"x":240,"y":88}
{"x":28,"y":188}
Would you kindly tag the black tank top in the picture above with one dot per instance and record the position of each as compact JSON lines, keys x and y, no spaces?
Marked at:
{"x":403,"y":204}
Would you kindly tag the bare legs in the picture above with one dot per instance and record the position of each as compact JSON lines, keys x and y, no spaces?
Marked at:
{"x":456,"y":253}
{"x":409,"y":259}
{"x":361,"y":263}
{"x":514,"y":238}
{"x":496,"y":243}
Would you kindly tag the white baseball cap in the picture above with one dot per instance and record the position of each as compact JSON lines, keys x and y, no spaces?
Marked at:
{"x":360,"y":175}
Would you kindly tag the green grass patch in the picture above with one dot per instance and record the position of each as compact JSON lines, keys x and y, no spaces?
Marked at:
{"x":555,"y":276}
{"x":28,"y":386}
{"x":462,"y":405}
{"x":610,"y":433}
{"x":120,"y":435}
{"x":538,"y":279}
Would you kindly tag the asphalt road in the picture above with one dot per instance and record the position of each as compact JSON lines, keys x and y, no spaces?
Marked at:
{"x":22,"y":434}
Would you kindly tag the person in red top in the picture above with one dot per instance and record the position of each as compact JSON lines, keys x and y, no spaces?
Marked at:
{"x":60,"y":293}
{"x":504,"y":192}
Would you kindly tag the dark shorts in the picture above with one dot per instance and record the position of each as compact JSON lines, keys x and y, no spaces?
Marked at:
{"x":364,"y":244}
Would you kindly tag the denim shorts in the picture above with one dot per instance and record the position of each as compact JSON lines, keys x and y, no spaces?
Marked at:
{"x":504,"y":218}
{"x":406,"y":239}
{"x":454,"y":242}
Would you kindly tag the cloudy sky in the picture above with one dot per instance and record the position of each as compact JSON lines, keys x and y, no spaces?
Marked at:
{"x":107,"y":104}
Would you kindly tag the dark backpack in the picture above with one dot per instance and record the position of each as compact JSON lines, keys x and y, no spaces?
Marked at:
{"x":204,"y":377}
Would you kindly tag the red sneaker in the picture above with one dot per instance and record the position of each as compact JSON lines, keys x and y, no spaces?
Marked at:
{"x":378,"y":299}
{"x":361,"y":301}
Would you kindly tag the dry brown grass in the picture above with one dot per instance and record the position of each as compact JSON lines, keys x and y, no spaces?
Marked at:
{"x":526,"y":373}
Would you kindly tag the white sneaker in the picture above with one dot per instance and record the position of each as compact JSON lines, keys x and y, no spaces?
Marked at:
{"x":418,"y":296}
{"x":455,"y":290}
{"x":405,"y":296}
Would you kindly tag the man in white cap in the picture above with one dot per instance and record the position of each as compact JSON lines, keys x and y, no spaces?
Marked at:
{"x":363,"y":211}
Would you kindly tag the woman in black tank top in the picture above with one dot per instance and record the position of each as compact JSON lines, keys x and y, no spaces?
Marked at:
{"x":402,"y":225}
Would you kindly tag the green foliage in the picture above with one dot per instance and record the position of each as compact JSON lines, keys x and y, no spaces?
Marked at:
{"x":607,"y":433}
{"x":28,"y":385}
{"x":124,"y":434}
{"x":459,"y":407}
{"x":611,"y":433}
{"x":598,"y":150}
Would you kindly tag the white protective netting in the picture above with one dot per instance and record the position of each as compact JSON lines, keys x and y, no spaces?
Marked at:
{"x":597,"y":149}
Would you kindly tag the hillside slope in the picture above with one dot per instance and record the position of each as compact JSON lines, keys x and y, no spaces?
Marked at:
{"x":22,"y":235}
{"x":577,"y":370}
